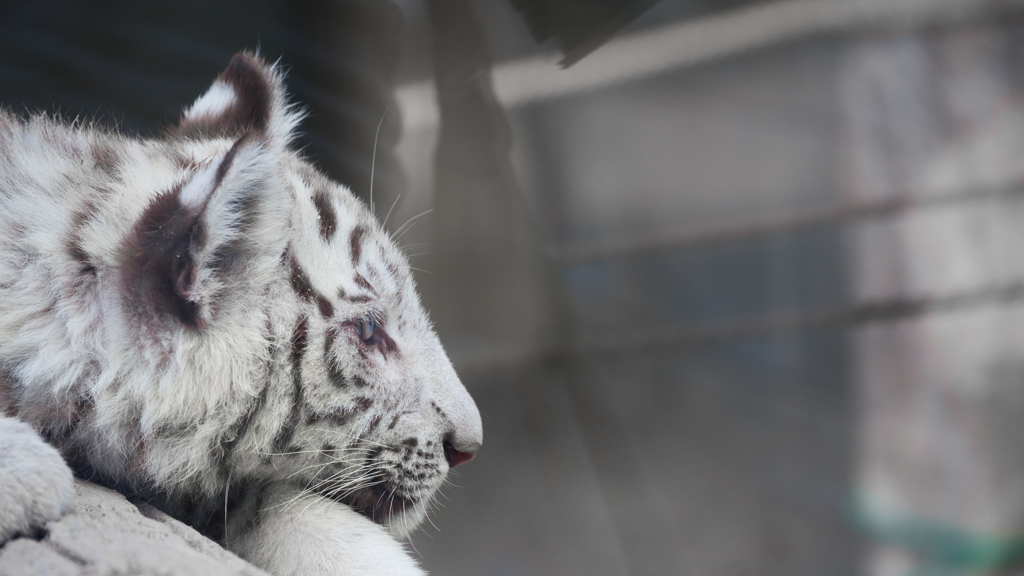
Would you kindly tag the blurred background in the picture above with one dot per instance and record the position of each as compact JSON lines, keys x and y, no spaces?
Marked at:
{"x":740,"y":291}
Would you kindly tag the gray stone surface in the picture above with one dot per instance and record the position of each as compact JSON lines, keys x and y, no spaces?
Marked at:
{"x":106,"y":534}
{"x":26,"y":557}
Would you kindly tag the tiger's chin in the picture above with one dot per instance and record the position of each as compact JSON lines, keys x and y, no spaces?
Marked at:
{"x":388,"y":505}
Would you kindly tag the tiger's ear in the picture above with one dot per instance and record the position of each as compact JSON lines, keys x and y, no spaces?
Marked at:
{"x":200,"y":247}
{"x":248,"y":96}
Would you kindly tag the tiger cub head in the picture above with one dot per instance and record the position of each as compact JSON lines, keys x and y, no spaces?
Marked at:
{"x":287,"y":318}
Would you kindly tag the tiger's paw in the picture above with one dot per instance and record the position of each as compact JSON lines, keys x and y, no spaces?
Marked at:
{"x":36,"y":485}
{"x":314,"y":536}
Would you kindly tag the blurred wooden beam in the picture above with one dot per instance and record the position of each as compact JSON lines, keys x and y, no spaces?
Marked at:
{"x":689,"y":42}
{"x":582,"y":253}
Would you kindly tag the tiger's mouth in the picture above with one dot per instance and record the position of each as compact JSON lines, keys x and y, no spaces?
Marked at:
{"x":380,"y":502}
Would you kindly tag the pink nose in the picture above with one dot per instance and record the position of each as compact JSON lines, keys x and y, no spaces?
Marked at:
{"x":456,"y":457}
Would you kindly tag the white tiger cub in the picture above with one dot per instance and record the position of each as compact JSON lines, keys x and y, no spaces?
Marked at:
{"x":205,"y":318}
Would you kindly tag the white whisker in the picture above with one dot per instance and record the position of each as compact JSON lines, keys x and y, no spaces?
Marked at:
{"x":305,"y":451}
{"x":227,"y":486}
{"x":373,"y":161}
{"x":428,"y":519}
{"x":402,"y":229}
{"x":385,"y":223}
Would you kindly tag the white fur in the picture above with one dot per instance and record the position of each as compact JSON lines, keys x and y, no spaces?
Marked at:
{"x":318,"y":542}
{"x":240,"y":367}
{"x":35,"y":484}
{"x":217,"y":99}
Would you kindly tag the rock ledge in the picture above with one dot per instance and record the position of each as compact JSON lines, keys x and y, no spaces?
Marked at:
{"x":105,"y":534}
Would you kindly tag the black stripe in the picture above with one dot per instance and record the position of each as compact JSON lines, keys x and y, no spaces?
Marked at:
{"x":355,"y":243}
{"x":328,"y":220}
{"x":8,"y":404}
{"x":299,"y":336}
{"x":360,"y":281}
{"x":304,"y":288}
{"x":229,"y":159}
{"x":325,"y":306}
{"x":334,"y":372}
{"x":373,"y":425}
{"x":74,"y":244}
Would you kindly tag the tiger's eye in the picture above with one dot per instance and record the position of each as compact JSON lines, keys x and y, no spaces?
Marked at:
{"x":367,"y":329}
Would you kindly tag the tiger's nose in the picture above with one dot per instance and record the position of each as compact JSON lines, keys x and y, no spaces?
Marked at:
{"x":462,"y":443}
{"x":461,"y":454}
{"x":454,"y":404}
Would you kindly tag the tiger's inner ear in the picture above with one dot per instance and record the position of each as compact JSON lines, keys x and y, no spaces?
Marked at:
{"x":248,"y":96}
{"x":194,"y":243}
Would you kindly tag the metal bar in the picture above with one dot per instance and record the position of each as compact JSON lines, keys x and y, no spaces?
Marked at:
{"x":570,"y":255}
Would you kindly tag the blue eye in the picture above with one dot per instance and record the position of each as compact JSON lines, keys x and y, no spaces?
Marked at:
{"x":367,"y":329}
